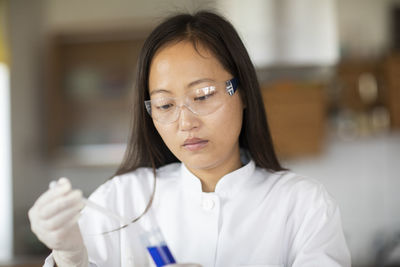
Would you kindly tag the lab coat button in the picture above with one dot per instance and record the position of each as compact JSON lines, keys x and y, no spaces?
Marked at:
{"x":208,"y":204}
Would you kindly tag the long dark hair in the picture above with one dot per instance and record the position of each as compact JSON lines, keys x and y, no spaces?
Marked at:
{"x":145,"y":147}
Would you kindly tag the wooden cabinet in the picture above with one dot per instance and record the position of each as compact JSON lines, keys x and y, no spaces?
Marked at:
{"x":296,"y":116}
{"x":350,"y":88}
{"x":392,"y":75}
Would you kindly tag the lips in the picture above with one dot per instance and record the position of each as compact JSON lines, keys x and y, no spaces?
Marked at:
{"x":194,"y":144}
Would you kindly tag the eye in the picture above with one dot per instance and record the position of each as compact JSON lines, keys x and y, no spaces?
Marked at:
{"x":205,"y":93}
{"x":204,"y":97}
{"x":163,"y":104}
{"x":164,"y":107}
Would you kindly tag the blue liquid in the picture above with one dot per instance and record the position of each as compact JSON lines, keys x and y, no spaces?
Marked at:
{"x":161,"y":255}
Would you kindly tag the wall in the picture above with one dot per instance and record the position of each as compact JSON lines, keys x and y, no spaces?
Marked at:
{"x":29,"y":169}
{"x":364,"y":26}
{"x":363,"y":176}
{"x":75,"y":14}
{"x":284,"y":32}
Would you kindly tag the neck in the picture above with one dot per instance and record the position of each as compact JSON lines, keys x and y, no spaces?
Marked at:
{"x":209,"y":177}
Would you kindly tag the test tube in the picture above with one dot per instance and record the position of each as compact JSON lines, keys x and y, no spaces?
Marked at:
{"x":153,"y":239}
{"x":157,"y":247}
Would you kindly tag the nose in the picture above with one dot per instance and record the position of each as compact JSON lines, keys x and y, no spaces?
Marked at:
{"x":187,"y":119}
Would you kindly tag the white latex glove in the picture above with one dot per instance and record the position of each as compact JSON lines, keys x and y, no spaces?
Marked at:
{"x":54,"y":220}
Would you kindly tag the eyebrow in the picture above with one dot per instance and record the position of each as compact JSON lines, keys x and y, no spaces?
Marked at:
{"x":156,"y":91}
{"x":191,"y":84}
{"x":200,"y":81}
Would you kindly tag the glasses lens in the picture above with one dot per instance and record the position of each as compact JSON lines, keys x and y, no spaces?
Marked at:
{"x":200,"y":101}
{"x":162,"y":109}
{"x":206,"y":100}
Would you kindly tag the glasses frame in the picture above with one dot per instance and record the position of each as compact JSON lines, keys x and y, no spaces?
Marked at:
{"x":231,"y":87}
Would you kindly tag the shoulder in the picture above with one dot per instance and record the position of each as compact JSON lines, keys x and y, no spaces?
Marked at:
{"x":299,"y":184}
{"x":298,"y":191}
{"x":288,"y":180}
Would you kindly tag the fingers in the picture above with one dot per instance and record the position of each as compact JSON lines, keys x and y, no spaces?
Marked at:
{"x":66,"y":202}
{"x":61,"y":219}
{"x":62,"y":187}
{"x":55,"y":214}
{"x":66,"y":231}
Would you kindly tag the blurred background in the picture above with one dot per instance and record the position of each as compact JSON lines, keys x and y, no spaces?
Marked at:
{"x":330,"y":77}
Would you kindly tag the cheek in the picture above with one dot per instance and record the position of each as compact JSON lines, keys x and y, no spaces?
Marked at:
{"x":228,"y":123}
{"x":167,"y":134}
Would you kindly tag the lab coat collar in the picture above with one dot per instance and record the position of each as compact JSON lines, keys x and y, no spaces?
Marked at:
{"x":227,"y":186}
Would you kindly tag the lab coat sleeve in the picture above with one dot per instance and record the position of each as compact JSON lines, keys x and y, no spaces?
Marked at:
{"x":317,"y":237}
{"x":49,"y":262}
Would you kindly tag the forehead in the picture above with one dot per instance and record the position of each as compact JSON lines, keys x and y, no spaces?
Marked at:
{"x":182,"y":63}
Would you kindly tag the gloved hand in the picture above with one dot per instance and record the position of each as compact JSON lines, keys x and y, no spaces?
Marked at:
{"x":54,"y":220}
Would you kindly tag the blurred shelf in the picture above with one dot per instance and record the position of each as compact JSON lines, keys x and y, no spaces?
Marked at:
{"x":31,"y":261}
{"x":88,"y":96}
{"x":101,"y":155}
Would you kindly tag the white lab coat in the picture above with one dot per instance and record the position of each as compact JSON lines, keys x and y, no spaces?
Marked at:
{"x":254,"y":218}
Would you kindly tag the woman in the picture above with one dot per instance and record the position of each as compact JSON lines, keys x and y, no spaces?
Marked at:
{"x":222,"y":198}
